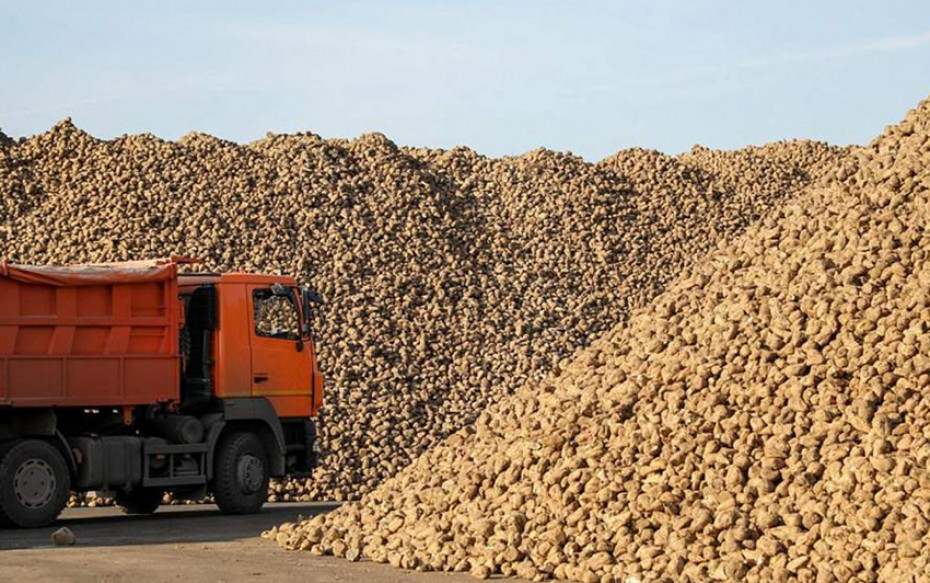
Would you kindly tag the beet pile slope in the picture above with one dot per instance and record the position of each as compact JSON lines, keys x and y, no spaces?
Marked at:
{"x":766,"y":418}
{"x":451,"y":278}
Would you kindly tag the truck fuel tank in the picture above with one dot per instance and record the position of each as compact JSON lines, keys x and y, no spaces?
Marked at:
{"x":179,"y":428}
{"x":108,"y":462}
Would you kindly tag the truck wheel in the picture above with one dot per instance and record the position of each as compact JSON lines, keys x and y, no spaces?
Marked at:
{"x":5,"y":447}
{"x":34,"y":483}
{"x":139,"y":500}
{"x":240,"y":474}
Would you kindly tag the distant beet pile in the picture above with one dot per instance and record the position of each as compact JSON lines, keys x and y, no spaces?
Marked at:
{"x":451,"y":278}
{"x":767,"y":418}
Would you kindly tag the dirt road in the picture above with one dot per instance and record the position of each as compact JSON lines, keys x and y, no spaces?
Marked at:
{"x":193,"y":544}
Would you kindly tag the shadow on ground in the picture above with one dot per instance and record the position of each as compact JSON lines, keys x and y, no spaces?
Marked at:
{"x":171,"y":524}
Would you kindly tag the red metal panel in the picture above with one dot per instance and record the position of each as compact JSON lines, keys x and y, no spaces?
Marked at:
{"x":97,"y":379}
{"x":9,"y":292}
{"x":234,"y":363}
{"x":31,"y":379}
{"x":62,"y":340}
{"x":89,"y":340}
{"x":33,"y":340}
{"x":36,"y":300}
{"x":7,"y":339}
{"x":143,"y":375}
{"x":83,"y":338}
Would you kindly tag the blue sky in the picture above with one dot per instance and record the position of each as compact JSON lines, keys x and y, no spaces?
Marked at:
{"x":500,"y":77}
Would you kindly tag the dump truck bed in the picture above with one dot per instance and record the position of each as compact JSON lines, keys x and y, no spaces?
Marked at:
{"x":89,"y":335}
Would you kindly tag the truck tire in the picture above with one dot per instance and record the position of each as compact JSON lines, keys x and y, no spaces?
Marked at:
{"x":34,"y":483}
{"x":5,"y":447}
{"x":139,"y":500}
{"x":240,"y":474}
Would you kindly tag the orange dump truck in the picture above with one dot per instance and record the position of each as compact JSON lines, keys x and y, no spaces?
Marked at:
{"x":135,"y":379}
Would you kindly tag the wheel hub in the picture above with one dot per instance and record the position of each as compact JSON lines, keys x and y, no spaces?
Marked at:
{"x":34,"y":483}
{"x":250,"y":472}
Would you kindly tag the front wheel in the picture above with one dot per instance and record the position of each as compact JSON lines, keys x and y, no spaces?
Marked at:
{"x":139,"y":500}
{"x":240,"y":474}
{"x":34,"y":483}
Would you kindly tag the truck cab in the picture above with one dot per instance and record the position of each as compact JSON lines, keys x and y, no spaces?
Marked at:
{"x":277,"y":364}
{"x":136,"y":379}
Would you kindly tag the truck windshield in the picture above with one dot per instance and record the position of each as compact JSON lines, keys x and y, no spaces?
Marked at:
{"x":275,"y":315}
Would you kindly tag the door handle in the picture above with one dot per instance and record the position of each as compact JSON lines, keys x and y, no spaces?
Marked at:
{"x":261,"y":378}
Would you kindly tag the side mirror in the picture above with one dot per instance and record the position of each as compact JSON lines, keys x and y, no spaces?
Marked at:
{"x":309,"y":297}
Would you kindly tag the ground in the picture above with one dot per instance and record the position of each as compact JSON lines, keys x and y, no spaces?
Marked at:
{"x":193,"y":544}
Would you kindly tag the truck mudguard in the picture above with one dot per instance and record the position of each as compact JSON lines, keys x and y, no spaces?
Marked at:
{"x":256,"y":409}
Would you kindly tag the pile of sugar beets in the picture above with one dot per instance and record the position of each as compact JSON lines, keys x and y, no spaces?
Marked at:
{"x":451,"y":278}
{"x":765,"y":418}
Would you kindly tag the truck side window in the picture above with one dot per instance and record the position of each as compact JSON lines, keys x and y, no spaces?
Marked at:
{"x":275,"y":316}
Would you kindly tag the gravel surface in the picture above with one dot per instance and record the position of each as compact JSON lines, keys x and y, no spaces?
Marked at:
{"x":196,"y":545}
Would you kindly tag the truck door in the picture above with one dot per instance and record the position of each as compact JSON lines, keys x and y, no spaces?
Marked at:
{"x":280,"y":364}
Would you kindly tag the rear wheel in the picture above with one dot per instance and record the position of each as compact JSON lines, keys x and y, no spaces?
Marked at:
{"x":34,"y":483}
{"x":139,"y":501}
{"x":240,"y":474}
{"x":5,"y":447}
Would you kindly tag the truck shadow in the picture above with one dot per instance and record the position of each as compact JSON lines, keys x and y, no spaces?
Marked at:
{"x":100,"y":527}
